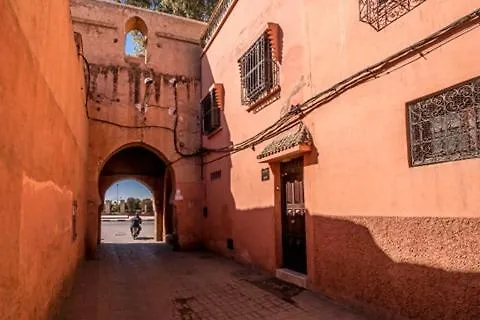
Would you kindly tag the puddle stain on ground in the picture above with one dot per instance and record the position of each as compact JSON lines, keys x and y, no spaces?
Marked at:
{"x":278,"y":288}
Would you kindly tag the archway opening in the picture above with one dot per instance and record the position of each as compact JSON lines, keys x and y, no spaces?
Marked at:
{"x":129,"y":178}
{"x":124,"y":200}
{"x":136,"y":35}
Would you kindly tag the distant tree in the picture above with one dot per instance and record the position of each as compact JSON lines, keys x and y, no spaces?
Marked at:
{"x":138,"y":42}
{"x":114,"y":207}
{"x":131,"y":204}
{"x":194,"y":9}
{"x":138,"y":204}
{"x":148,"y":203}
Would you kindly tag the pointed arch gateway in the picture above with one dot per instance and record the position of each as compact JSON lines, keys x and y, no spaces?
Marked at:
{"x":148,"y":166}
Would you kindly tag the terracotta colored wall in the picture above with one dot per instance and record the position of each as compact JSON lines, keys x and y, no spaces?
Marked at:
{"x":247,"y":212}
{"x":42,"y":158}
{"x":410,"y":231}
{"x":173,"y":52}
{"x":379,"y":233}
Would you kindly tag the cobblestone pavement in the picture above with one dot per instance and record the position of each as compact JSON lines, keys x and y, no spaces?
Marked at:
{"x":149,"y":281}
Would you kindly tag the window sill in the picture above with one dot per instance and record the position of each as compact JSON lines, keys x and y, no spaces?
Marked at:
{"x":135,"y":59}
{"x":266,"y":100}
{"x":213,"y":133}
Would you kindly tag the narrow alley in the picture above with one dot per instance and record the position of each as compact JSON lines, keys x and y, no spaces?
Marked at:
{"x":286,"y":159}
{"x":145,"y":280}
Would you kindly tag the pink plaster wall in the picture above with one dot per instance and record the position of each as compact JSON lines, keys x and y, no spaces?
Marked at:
{"x":372,"y":219}
{"x":42,"y":158}
{"x":173,"y":52}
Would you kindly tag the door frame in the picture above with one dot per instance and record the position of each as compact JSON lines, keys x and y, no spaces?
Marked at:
{"x":278,"y":212}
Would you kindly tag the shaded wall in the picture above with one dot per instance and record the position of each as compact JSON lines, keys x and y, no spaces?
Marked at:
{"x":117,"y":85}
{"x":246,"y":212}
{"x":380,"y":235}
{"x":43,"y":157}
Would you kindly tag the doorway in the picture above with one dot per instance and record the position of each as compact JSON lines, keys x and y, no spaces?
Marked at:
{"x":293,"y":216}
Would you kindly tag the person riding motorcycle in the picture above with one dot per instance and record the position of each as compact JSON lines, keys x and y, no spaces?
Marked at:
{"x":136,"y":222}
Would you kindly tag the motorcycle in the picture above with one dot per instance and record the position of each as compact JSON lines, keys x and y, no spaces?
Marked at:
{"x":135,"y":232}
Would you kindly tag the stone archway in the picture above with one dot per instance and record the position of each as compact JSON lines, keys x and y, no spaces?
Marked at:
{"x":182,"y":200}
{"x":147,"y":166}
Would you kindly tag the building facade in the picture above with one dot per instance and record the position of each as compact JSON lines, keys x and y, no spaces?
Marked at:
{"x":143,"y":112}
{"x":344,"y":121}
{"x":333,"y":143}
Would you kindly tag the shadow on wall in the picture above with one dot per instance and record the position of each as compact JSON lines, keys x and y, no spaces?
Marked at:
{"x":351,"y":266}
{"x":383,"y":265}
{"x":217,"y":223}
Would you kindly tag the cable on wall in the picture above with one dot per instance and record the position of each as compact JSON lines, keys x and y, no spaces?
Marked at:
{"x":298,"y":112}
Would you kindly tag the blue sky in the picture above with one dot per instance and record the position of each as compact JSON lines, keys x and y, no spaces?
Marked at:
{"x":129,"y":44}
{"x":128,"y":188}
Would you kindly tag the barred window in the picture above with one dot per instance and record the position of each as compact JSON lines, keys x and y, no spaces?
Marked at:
{"x":381,"y":13}
{"x":258,"y":70}
{"x":210,"y":113}
{"x":446,"y":125}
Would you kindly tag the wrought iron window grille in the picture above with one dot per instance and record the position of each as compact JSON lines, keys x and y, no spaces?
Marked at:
{"x":210,"y":113}
{"x":381,"y":13}
{"x":258,"y":71}
{"x":445,"y":126}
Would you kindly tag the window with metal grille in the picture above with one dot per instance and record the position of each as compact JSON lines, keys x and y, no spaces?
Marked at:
{"x":210,"y":113}
{"x":381,"y":13}
{"x":258,"y":70}
{"x":446,"y":125}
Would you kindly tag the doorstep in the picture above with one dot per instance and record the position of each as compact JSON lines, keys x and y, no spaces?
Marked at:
{"x":293,"y":277}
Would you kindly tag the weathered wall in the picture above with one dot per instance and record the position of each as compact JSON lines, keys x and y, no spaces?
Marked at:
{"x":379,"y":233}
{"x":411,"y":231}
{"x":117,"y":84}
{"x":245,"y":213}
{"x":42,"y":158}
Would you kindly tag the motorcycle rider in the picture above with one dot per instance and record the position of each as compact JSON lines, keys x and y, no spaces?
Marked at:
{"x":136,"y":222}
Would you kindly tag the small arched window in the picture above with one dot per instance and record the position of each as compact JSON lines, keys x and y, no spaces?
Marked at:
{"x":136,"y":33}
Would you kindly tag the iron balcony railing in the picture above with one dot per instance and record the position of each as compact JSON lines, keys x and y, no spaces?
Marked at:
{"x":216,"y":20}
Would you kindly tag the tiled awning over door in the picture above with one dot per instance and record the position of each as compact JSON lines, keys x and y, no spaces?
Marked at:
{"x":297,"y":140}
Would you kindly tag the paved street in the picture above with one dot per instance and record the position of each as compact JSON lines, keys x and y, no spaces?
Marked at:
{"x":119,"y":232}
{"x":141,"y":280}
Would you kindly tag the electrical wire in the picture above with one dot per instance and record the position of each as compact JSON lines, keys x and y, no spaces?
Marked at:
{"x":372,"y":72}
{"x":297,"y":113}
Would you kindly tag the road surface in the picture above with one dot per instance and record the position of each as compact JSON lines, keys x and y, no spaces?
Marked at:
{"x":119,"y":232}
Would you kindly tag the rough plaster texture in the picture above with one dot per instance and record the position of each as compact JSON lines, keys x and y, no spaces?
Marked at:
{"x":117,"y":85}
{"x":42,"y":156}
{"x":380,"y":235}
{"x":405,"y":222}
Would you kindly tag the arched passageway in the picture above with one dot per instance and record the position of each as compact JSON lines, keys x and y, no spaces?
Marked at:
{"x":146,"y":166}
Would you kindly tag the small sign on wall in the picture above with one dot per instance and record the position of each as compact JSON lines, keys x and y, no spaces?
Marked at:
{"x":265,"y":174}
